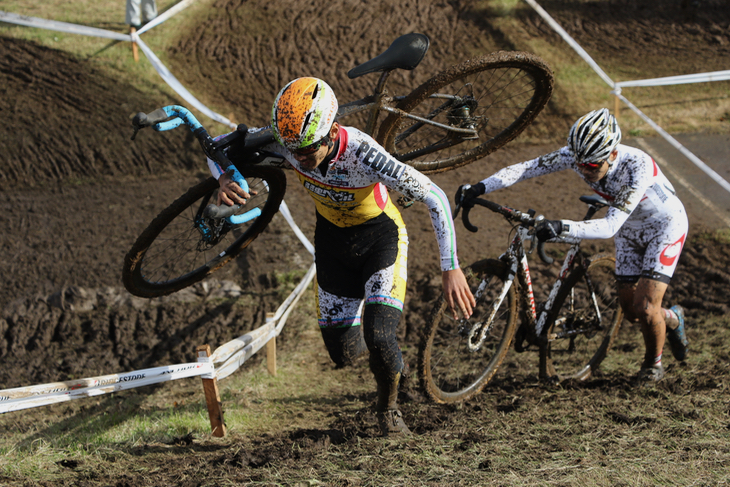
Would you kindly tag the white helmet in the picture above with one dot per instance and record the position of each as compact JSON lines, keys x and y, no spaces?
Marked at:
{"x":303,"y":113}
{"x":594,"y":136}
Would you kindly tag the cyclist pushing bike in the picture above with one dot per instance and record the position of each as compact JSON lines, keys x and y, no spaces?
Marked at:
{"x":360,"y":238}
{"x":645,"y":217}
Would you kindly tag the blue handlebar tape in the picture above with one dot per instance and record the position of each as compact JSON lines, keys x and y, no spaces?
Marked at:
{"x":182,"y":114}
{"x":249,"y":215}
{"x":238,"y":178}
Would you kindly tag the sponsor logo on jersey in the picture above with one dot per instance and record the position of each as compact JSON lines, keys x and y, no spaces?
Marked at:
{"x":379,"y":160}
{"x":659,"y":192}
{"x":336,"y":196}
{"x":671,"y":252}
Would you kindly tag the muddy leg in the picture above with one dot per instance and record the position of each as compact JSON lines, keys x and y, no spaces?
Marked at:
{"x":386,"y":363}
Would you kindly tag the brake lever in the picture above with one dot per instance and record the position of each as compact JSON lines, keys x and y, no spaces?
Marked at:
{"x":465,"y":220}
{"x":457,"y":202}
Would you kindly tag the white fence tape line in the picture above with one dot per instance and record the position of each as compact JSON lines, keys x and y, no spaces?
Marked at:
{"x":617,"y":91}
{"x":272,"y":328}
{"x":678,"y":80}
{"x":45,"y":394}
{"x":695,"y":160}
{"x":696,"y":192}
{"x":293,"y":298}
{"x":235,"y":361}
{"x":165,"y":15}
{"x":61,"y":26}
{"x":284,"y":209}
{"x":566,"y":37}
{"x":168,"y":77}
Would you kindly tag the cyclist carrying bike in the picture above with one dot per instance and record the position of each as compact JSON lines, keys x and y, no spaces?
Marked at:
{"x":646,"y":219}
{"x":360,"y":238}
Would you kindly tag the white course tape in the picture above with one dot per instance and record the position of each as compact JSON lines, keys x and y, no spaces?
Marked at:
{"x":165,"y":15}
{"x":678,"y":80}
{"x":284,"y":209}
{"x":696,"y":160}
{"x":617,"y":91}
{"x":168,"y":77}
{"x":61,"y":26}
{"x":45,"y":394}
{"x":696,"y":192}
{"x":235,"y":361}
{"x":235,"y":352}
{"x":566,"y":37}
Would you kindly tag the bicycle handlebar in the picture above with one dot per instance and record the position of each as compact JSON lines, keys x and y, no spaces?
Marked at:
{"x":172,"y":116}
{"x":524,"y":219}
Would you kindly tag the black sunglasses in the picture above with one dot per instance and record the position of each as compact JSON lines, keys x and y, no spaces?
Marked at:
{"x":311,"y":148}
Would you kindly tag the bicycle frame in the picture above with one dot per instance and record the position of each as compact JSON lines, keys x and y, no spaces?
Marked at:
{"x":516,"y":259}
{"x":378,"y":102}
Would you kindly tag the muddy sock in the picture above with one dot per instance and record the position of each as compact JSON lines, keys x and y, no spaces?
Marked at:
{"x":670,"y":318}
{"x":657,"y":361}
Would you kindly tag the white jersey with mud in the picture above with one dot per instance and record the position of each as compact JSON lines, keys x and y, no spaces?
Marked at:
{"x":641,"y":197}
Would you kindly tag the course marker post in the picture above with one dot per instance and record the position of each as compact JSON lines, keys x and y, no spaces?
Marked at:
{"x":135,"y":51}
{"x":212,"y":397}
{"x":271,"y":350}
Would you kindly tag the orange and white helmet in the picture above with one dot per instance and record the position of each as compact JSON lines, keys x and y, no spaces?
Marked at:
{"x":303,"y":113}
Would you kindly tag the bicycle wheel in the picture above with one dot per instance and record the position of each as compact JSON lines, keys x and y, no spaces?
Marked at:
{"x":581,"y":331}
{"x":449,"y":369}
{"x":180,"y":246}
{"x":498,"y":95}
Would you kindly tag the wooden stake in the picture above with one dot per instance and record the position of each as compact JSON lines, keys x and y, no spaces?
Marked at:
{"x":271,"y":350}
{"x":616,"y":106}
{"x":135,"y":53}
{"x":213,"y":399}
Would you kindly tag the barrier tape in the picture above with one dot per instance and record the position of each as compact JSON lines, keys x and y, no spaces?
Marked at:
{"x":571,"y":42}
{"x":689,"y":155}
{"x":232,"y":354}
{"x":231,"y":351}
{"x":165,"y":15}
{"x":61,"y":26}
{"x":695,"y":78}
{"x":56,"y":392}
{"x":677,"y":80}
{"x":284,"y":210}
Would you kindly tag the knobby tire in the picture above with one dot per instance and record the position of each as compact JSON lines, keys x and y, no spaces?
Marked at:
{"x":577,"y":358}
{"x":505,"y":92}
{"x":168,"y":256}
{"x":448,"y":371}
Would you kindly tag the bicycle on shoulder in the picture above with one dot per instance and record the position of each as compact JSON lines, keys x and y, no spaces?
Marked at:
{"x":459,"y":115}
{"x":572,"y":330}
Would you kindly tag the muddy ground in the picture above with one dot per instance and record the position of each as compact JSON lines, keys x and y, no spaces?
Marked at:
{"x":76,"y":192}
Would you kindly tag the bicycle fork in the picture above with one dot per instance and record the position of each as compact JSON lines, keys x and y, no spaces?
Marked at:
{"x":481,"y":328}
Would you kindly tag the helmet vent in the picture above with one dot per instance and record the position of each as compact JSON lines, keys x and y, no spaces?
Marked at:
{"x":316,"y":91}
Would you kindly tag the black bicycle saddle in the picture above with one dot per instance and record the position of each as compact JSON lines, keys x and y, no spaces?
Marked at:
{"x":404,"y":53}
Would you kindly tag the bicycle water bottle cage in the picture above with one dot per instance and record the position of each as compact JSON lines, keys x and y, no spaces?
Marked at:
{"x":406,"y":52}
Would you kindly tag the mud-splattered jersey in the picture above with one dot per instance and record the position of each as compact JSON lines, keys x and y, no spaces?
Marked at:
{"x":354,"y":188}
{"x":641,"y":197}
